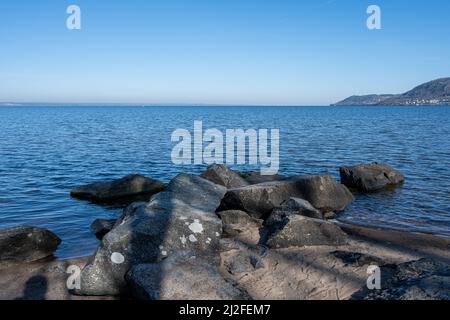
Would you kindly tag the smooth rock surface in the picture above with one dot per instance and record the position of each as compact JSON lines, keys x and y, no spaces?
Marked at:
{"x":180,"y":218}
{"x":128,"y":187}
{"x":323,"y":192}
{"x":183,"y":276}
{"x":26,"y":244}
{"x":224,"y":176}
{"x":297,"y":231}
{"x":370,"y":177}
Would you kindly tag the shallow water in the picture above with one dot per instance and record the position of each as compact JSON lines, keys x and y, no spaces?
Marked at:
{"x":46,"y":151}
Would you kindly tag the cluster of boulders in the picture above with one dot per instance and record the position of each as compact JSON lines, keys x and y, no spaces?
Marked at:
{"x":183,"y":225}
{"x":169,"y":247}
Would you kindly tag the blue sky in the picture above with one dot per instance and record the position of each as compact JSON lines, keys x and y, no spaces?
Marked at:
{"x":284,"y":52}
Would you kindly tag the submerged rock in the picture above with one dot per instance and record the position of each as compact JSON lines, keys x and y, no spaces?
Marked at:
{"x":183,"y":276}
{"x":322,"y":192}
{"x":129,"y":187}
{"x":180,"y":218}
{"x":423,"y":279}
{"x":224,"y":176}
{"x":26,"y":244}
{"x":100,"y":227}
{"x":256,"y":177}
{"x":297,"y":231}
{"x":370,"y":177}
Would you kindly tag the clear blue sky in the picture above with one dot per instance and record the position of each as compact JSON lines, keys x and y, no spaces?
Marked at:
{"x":219,"y":51}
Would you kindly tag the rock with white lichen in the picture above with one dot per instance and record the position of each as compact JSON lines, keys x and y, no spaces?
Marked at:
{"x":180,"y":218}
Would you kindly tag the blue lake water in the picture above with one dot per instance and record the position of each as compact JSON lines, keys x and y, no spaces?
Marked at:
{"x":46,"y":151}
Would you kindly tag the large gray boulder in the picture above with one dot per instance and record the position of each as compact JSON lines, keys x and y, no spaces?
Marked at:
{"x":26,"y":244}
{"x":322,"y":192}
{"x":424,"y":279}
{"x":180,"y":218}
{"x":183,"y":276}
{"x":129,"y":187}
{"x":224,"y":176}
{"x":370,"y":177}
{"x":297,"y":231}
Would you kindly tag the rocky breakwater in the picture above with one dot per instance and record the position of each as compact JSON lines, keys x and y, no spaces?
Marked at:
{"x":183,"y":218}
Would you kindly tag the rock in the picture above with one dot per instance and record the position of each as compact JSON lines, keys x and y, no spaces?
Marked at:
{"x":244,"y":262}
{"x":238,"y":217}
{"x":356,"y":258}
{"x":239,"y":225}
{"x":224,"y":176}
{"x":183,"y":276}
{"x":294,"y":206}
{"x":370,"y":177}
{"x":180,"y":218}
{"x":297,"y":231}
{"x":424,"y":279}
{"x":128,"y":188}
{"x":255,"y":177}
{"x":322,"y":192}
{"x":26,"y":244}
{"x":100,"y":227}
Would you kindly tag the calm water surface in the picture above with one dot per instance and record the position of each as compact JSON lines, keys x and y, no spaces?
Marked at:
{"x":46,"y":151}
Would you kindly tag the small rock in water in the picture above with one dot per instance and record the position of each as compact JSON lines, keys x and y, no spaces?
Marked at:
{"x":128,"y":188}
{"x":255,"y":177}
{"x":370,"y":177}
{"x":26,"y":244}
